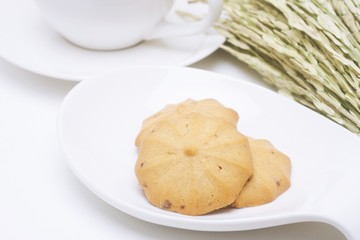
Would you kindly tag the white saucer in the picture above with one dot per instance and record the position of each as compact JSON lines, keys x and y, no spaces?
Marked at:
{"x":27,"y":41}
{"x":100,"y":118}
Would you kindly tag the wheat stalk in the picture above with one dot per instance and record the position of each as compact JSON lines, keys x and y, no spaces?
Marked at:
{"x":309,"y":49}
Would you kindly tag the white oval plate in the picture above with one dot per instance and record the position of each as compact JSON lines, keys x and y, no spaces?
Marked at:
{"x":100,"y":118}
{"x":27,"y":41}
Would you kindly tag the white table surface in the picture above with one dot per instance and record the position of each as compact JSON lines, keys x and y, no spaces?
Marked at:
{"x":41,"y":199}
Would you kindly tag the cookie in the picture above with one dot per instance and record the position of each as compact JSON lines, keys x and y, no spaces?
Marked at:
{"x":208,"y":107}
{"x":193,"y":164}
{"x":271,"y":177}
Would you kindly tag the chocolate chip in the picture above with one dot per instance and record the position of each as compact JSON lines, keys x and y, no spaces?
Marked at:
{"x":166,"y":204}
{"x":278,"y":183}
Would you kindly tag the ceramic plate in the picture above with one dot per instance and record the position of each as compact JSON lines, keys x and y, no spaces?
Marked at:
{"x":100,"y":118}
{"x":27,"y":41}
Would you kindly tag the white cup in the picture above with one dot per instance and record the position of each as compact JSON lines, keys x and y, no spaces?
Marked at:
{"x":117,"y":24}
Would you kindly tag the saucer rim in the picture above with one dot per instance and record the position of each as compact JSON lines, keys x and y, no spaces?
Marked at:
{"x":212,"y":42}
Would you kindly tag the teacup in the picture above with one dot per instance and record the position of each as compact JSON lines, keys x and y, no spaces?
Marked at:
{"x":118,"y":24}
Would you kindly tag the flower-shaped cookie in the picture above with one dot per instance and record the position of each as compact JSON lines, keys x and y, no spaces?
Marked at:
{"x":193,"y":164}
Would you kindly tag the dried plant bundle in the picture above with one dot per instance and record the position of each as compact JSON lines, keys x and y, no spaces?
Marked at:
{"x":308,"y":49}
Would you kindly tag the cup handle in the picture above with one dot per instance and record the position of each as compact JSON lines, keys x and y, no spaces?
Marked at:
{"x":167,"y":29}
